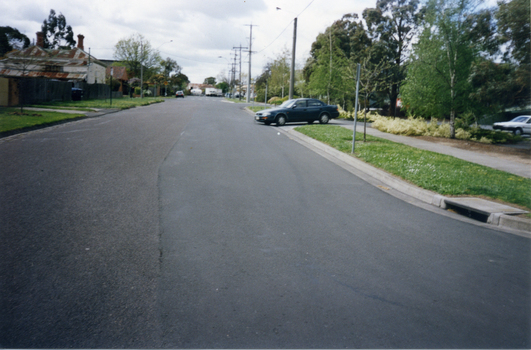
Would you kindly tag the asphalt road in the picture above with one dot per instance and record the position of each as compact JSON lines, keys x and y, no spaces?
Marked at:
{"x":185,"y":224}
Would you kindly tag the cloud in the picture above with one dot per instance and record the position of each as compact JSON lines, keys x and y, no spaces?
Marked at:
{"x":201,"y":30}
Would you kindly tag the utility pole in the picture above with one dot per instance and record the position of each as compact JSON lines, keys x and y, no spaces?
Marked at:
{"x":240,"y":48}
{"x":292,"y":73}
{"x":247,"y":97}
{"x":233,"y":71}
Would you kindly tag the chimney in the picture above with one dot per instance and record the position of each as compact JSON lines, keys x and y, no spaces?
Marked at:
{"x":40,"y":39}
{"x":80,"y":42}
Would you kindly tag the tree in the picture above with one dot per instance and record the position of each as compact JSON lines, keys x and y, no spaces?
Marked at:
{"x":57,"y":34}
{"x":179,"y":81}
{"x":438,"y":77}
{"x":513,"y":23}
{"x":280,"y":70}
{"x":392,"y":24}
{"x":135,"y":52}
{"x":328,"y":68}
{"x":11,"y":39}
{"x":170,"y":66}
{"x":210,"y":81}
{"x":224,"y":86}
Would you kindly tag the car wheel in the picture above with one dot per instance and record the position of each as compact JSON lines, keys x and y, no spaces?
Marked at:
{"x":281,"y":120}
{"x":517,"y":132}
{"x":324,"y":118}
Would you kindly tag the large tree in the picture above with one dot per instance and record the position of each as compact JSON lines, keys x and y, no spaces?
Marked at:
{"x":170,"y":67}
{"x":392,"y":24}
{"x":57,"y":34}
{"x":136,"y":52}
{"x":501,"y":83}
{"x":438,"y":77}
{"x":179,"y":81}
{"x":280,"y":70}
{"x":10,"y":39}
{"x":210,"y":81}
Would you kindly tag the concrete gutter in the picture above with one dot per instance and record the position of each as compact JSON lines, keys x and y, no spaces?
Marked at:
{"x":496,"y":217}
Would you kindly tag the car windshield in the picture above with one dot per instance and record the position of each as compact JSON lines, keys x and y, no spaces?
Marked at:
{"x":520,"y":119}
{"x":287,"y":104}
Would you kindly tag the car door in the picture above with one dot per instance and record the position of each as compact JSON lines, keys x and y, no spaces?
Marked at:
{"x":527,"y":127}
{"x":299,"y":111}
{"x":315,"y":107}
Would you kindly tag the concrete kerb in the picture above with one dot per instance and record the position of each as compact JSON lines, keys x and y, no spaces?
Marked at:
{"x":366,"y":172}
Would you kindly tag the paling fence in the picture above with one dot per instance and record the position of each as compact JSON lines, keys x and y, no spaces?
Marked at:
{"x":35,"y":90}
{"x":43,"y":90}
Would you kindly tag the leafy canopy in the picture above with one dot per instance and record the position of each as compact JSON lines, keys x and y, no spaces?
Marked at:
{"x":57,"y":34}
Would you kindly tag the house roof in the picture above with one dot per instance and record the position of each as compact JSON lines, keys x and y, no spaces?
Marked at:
{"x":40,"y":74}
{"x":39,"y":62}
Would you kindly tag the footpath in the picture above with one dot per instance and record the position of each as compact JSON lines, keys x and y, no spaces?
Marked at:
{"x":476,"y":210}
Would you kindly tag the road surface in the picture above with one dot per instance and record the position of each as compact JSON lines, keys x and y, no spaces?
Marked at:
{"x":185,"y":224}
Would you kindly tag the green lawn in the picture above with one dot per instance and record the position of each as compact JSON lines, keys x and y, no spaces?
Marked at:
{"x":11,"y":119}
{"x":121,"y":103}
{"x":440,"y":173}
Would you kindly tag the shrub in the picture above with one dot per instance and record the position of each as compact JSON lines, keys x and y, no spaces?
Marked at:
{"x":419,"y":127}
{"x":274,"y":100}
{"x":462,"y":134}
{"x":371,"y":116}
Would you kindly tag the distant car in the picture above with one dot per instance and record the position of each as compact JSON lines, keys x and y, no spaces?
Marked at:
{"x":179,"y":94}
{"x":519,"y":125}
{"x":298,"y":110}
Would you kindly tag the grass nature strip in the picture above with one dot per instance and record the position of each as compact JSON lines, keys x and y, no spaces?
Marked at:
{"x":120,"y":103}
{"x":436,"y":172}
{"x":10,"y":118}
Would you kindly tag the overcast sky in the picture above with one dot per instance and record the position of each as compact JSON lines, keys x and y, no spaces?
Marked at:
{"x":201,"y":30}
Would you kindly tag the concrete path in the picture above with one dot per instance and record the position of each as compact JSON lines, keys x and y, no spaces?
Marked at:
{"x":509,"y":166}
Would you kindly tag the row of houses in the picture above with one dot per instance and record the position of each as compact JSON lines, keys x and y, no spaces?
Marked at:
{"x":37,"y":66}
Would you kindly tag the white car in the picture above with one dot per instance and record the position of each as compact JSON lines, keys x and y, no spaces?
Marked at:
{"x":519,"y":125}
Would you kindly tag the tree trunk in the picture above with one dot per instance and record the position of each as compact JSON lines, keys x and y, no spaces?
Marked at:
{"x":392,"y":97}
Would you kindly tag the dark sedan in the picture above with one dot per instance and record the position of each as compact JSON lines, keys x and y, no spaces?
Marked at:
{"x":298,"y":110}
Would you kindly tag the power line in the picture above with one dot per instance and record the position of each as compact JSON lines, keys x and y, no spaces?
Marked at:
{"x":289,"y":24}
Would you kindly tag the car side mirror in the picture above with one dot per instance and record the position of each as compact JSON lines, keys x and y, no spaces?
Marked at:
{"x":294,"y":106}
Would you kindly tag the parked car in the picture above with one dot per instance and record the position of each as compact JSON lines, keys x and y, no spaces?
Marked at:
{"x":298,"y":110}
{"x":179,"y":94}
{"x":519,"y":125}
